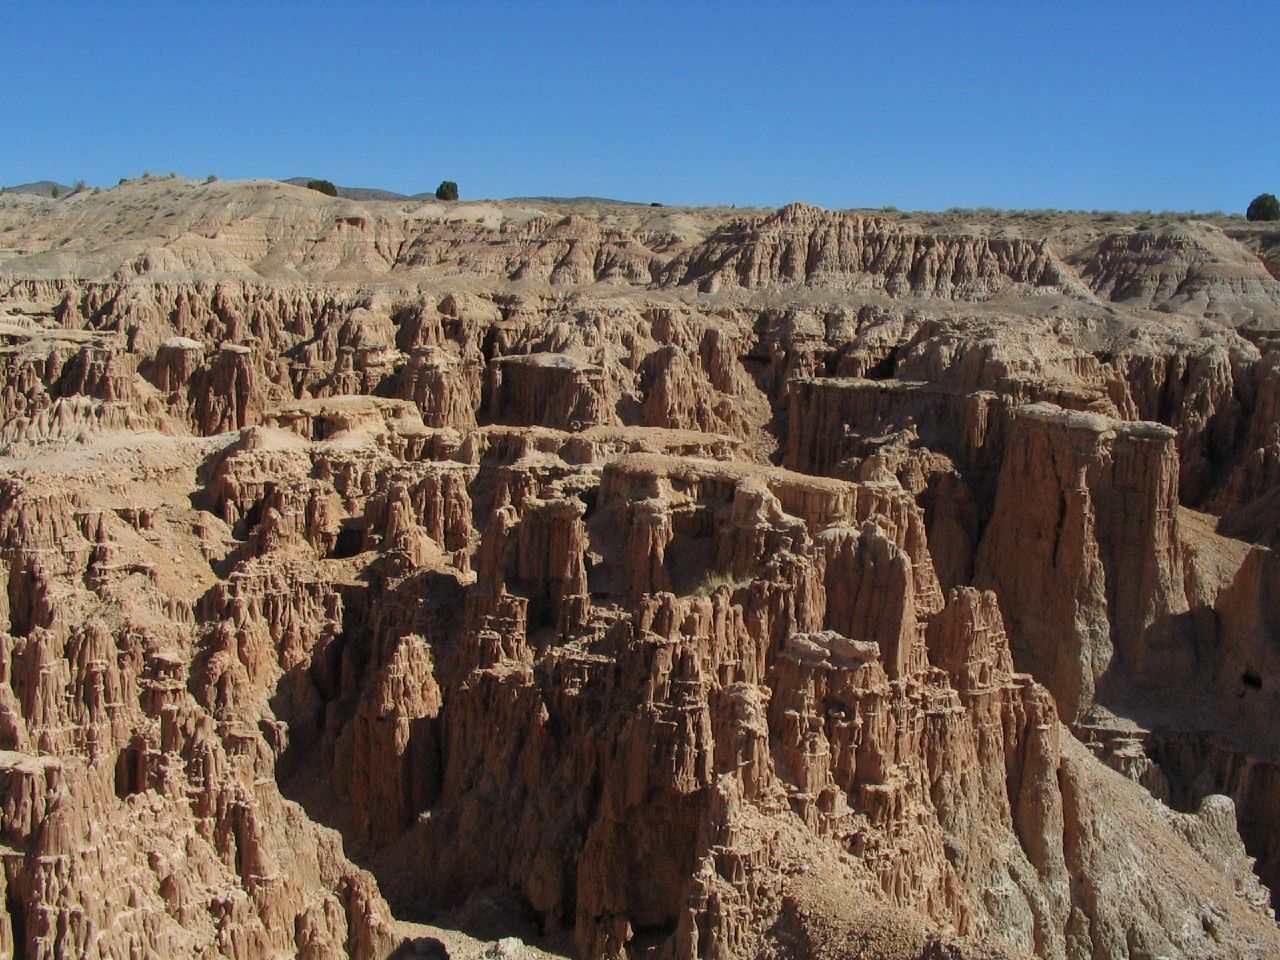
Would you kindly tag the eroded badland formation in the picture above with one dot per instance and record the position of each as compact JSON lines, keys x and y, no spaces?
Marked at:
{"x":682,"y":583}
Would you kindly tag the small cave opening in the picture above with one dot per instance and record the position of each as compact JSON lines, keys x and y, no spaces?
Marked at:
{"x":251,"y":518}
{"x":540,"y":609}
{"x":489,"y":345}
{"x":349,"y":542}
{"x":836,"y":711}
{"x":884,"y":368}
{"x":648,"y":939}
{"x":1251,"y":680}
{"x":691,"y":565}
{"x":128,"y":772}
{"x":18,"y":922}
{"x":21,"y":613}
{"x":569,"y":902}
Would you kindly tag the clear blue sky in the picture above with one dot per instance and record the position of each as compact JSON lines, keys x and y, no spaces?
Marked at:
{"x":1086,"y":105}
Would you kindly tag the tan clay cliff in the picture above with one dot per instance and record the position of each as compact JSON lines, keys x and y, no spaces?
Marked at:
{"x":644,"y":583}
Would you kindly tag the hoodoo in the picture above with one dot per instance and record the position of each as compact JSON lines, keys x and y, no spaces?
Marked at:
{"x":635,"y":582}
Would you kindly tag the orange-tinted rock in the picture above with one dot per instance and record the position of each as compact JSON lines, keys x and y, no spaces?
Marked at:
{"x":551,"y":390}
{"x":1081,"y":551}
{"x":461,"y":530}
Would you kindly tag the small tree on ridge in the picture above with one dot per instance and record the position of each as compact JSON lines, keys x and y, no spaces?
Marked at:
{"x":1265,"y":206}
{"x":448,"y":190}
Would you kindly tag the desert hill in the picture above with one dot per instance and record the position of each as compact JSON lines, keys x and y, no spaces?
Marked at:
{"x":359,"y":193}
{"x":635,"y":581}
{"x":39,"y":188}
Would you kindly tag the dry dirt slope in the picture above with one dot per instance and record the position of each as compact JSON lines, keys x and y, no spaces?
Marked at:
{"x":642,"y":582}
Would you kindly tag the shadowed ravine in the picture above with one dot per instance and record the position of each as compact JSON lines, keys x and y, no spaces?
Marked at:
{"x":633,"y":582}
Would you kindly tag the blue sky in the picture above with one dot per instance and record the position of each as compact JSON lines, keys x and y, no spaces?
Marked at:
{"x":1078,"y":105}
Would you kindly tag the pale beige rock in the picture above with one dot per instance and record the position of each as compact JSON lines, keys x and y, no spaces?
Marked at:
{"x":632,"y":582}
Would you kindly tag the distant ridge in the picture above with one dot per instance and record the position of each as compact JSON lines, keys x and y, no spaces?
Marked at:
{"x":39,"y":188}
{"x":374,"y":193}
{"x":44,"y":188}
{"x":361,"y":193}
{"x":581,"y":200}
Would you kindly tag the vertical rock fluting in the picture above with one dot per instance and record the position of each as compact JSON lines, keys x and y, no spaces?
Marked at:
{"x":802,"y":244}
{"x":549,"y":389}
{"x":103,"y":734}
{"x":832,"y":419}
{"x":227,"y":394}
{"x":1081,"y":551}
{"x":1196,"y":393}
{"x":455,"y":528}
{"x":1247,"y":498}
{"x":446,"y":389}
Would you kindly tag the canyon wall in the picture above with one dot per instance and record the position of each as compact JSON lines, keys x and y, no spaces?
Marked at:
{"x":676,"y":584}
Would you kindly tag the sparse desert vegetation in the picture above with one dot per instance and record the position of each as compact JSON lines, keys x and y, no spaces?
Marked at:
{"x":1265,"y":206}
{"x":341,"y":496}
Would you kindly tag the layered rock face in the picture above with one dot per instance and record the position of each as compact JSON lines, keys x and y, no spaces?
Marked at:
{"x":1082,"y":550}
{"x":670,"y":583}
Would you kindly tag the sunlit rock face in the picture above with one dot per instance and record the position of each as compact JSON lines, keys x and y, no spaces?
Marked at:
{"x":665,"y":583}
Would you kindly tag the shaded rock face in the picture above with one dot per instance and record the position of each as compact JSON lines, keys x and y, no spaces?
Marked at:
{"x":1082,"y":551}
{"x":680,"y":586}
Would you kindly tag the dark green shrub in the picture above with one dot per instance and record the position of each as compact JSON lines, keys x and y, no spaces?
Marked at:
{"x":323,"y":186}
{"x":448,"y":190}
{"x":1265,"y":206}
